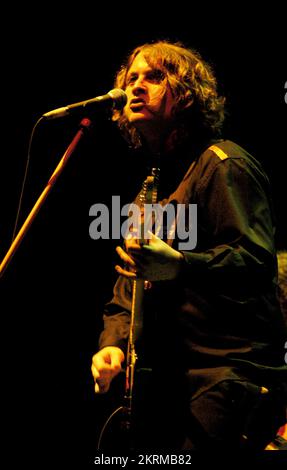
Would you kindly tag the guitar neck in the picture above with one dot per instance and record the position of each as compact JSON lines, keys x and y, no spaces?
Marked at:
{"x":148,"y":195}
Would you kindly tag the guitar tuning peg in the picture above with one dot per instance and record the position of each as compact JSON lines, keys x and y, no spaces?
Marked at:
{"x":147,"y":285}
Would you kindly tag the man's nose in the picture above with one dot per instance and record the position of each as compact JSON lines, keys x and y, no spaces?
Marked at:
{"x":139,"y":85}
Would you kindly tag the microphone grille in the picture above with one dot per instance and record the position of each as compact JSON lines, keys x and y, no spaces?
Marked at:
{"x":119,"y":97}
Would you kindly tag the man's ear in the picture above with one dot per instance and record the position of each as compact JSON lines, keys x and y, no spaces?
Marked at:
{"x":187,"y":100}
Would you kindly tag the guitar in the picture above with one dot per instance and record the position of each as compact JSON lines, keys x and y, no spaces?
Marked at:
{"x":148,"y":195}
{"x":122,"y":430}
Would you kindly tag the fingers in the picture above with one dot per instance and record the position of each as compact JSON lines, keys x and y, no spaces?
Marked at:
{"x":135,"y":264}
{"x":125,"y":257}
{"x":104,"y":371}
{"x":105,"y":365}
{"x":95,"y":372}
{"x":125,"y":273}
{"x":116,"y":364}
{"x":101,"y":387}
{"x":102,"y":379}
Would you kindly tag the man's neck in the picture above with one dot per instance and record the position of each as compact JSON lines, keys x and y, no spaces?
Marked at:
{"x":161,"y":145}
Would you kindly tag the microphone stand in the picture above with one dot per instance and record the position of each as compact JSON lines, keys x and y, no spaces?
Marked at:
{"x":85,"y":125}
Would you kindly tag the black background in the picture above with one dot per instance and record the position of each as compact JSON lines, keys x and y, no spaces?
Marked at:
{"x":55,"y":286}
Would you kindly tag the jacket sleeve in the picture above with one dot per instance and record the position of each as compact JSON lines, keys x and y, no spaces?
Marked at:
{"x":235,"y":223}
{"x":117,"y":316}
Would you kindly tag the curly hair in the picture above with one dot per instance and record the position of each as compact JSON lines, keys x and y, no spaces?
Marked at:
{"x":198,"y":107}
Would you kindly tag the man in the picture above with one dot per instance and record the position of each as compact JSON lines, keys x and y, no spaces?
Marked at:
{"x":213,"y":331}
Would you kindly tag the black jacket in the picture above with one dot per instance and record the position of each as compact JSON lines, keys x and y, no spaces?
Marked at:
{"x":221,"y":318}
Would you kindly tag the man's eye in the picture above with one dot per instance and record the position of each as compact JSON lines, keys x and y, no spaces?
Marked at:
{"x":156,"y":76}
{"x":131,"y":79}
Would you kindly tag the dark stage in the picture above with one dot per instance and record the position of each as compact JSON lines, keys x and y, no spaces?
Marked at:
{"x":54,"y":288}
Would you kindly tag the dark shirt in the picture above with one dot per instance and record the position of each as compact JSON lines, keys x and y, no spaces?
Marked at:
{"x":220,"y":319}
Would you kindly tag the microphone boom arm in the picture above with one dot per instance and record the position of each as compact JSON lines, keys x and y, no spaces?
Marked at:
{"x":116,"y":98}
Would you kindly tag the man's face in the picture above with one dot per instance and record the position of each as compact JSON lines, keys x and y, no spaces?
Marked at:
{"x":150,"y":101}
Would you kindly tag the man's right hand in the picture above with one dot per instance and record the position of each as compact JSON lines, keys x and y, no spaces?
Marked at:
{"x":106,"y":364}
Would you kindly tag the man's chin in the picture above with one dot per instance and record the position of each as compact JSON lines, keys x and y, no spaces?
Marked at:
{"x":140,"y":121}
{"x":139,"y":116}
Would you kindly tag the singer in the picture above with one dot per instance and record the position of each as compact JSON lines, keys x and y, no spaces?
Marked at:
{"x":213,"y":332}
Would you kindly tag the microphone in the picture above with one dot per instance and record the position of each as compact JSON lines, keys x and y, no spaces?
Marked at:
{"x":115,"y":98}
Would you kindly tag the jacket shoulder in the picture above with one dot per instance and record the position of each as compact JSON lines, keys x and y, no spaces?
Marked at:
{"x":224,"y":149}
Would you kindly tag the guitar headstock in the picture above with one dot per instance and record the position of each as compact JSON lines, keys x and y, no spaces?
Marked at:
{"x":150,"y":188}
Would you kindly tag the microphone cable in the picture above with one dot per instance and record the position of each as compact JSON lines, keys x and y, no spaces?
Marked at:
{"x":106,"y":424}
{"x":24,"y":179}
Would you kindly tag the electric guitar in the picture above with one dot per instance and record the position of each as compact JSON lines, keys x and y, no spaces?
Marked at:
{"x":148,"y":195}
{"x":122,"y":430}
